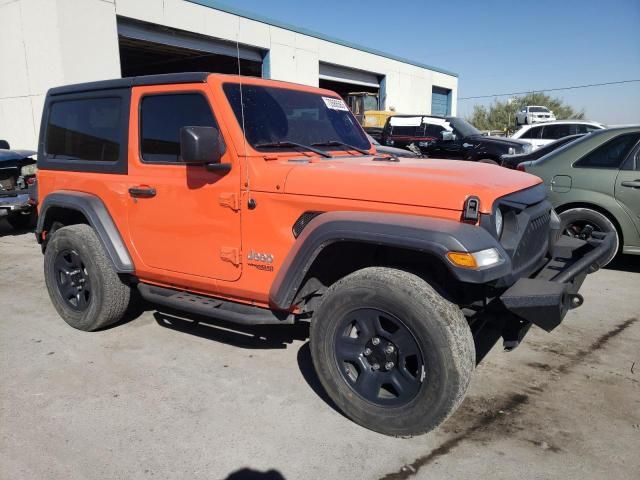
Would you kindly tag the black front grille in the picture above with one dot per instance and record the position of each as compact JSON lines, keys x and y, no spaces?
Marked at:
{"x":533,"y":242}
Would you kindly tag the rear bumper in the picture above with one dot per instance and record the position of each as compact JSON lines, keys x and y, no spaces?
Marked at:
{"x":14,"y":204}
{"x":545,"y":298}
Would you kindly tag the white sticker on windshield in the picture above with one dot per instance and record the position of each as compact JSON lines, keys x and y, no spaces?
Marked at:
{"x":335,"y":103}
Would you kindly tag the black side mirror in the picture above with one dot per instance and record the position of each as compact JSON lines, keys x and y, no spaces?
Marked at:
{"x":4,"y":145}
{"x":203,"y":146}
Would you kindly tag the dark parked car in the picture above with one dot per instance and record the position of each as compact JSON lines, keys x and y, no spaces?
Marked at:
{"x":393,"y":151}
{"x":17,"y":174}
{"x":448,"y":137}
{"x":512,"y":161}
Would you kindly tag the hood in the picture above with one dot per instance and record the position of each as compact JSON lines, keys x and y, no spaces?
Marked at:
{"x":410,"y":181}
{"x":507,"y":142}
{"x":12,"y":155}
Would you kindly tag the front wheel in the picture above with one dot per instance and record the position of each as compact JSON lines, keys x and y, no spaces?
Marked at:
{"x":582,"y":222}
{"x":394,"y":355}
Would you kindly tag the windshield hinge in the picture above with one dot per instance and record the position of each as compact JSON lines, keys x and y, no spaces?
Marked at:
{"x":230,"y":200}
{"x":231,"y":255}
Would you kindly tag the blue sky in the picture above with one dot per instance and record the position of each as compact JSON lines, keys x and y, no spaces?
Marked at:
{"x":496,"y":46}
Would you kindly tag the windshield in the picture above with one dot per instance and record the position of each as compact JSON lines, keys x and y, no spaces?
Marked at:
{"x":370,"y":103}
{"x":539,"y":109}
{"x":462,"y":128}
{"x":277,"y":115}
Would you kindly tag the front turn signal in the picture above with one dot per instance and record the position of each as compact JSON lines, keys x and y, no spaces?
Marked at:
{"x":462,"y":259}
{"x":481,"y":259}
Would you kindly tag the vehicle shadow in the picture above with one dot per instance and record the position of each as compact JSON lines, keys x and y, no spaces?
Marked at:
{"x":244,"y":336}
{"x":7,"y":230}
{"x":249,"y":337}
{"x":250,"y":474}
{"x":625,"y":263}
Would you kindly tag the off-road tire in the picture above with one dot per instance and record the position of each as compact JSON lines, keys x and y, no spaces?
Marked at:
{"x":109,"y":295}
{"x":599,"y":220}
{"x":439,"y":328}
{"x":22,"y":221}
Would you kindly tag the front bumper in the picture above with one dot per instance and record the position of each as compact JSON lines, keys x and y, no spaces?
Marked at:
{"x":545,"y":298}
{"x":14,"y":204}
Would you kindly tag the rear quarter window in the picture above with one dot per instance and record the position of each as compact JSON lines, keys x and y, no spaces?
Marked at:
{"x":611,"y":154}
{"x":85,"y":132}
{"x":85,"y":129}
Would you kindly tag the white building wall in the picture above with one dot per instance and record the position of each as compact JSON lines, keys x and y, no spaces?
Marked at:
{"x":56,"y":42}
{"x":45,"y":43}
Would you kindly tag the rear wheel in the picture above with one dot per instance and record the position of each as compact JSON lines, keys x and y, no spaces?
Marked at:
{"x":582,"y":222}
{"x":394,"y":355}
{"x":82,"y":283}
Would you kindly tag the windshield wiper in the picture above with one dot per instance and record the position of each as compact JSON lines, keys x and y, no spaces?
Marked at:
{"x":295,"y":145}
{"x":336,"y":143}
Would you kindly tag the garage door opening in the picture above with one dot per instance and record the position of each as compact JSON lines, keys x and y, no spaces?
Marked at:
{"x":360,"y":89}
{"x":147,"y":49}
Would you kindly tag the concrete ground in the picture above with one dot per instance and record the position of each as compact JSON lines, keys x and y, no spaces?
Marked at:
{"x":169,"y":397}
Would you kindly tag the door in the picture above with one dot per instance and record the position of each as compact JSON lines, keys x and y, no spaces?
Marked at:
{"x":188,"y":221}
{"x":628,"y":192}
{"x":440,"y":101}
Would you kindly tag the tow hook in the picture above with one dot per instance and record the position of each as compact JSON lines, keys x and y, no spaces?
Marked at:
{"x":575,"y":300}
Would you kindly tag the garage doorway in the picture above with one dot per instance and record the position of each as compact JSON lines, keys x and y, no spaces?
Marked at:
{"x":361,"y":90}
{"x":148,"y":49}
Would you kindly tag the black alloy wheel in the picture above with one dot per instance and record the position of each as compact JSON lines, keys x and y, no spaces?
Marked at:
{"x":378,"y":357}
{"x":72,"y":279}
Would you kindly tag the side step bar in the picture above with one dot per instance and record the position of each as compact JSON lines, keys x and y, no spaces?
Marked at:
{"x":213,"y":307}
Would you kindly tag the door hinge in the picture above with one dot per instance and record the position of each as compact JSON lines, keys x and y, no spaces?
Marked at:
{"x":230,"y":200}
{"x":231,"y":255}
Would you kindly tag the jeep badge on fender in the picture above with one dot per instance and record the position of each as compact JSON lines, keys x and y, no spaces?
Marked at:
{"x":260,"y":257}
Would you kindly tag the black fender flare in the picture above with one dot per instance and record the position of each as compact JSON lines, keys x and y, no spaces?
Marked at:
{"x":99,"y":219}
{"x":422,"y":234}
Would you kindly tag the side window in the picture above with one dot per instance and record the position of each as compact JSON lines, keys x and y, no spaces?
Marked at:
{"x":554,"y":132}
{"x":611,"y":154}
{"x":532,"y":133}
{"x":85,"y":130}
{"x":162,"y":117}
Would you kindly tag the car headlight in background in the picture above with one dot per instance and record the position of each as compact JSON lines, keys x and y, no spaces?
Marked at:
{"x":527,"y":148}
{"x":511,"y":151}
{"x":28,"y":170}
{"x":499,"y":222}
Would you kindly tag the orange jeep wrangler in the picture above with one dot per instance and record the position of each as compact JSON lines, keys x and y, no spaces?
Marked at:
{"x":263,"y":202}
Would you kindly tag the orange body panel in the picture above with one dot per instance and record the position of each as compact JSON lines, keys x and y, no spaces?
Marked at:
{"x":196,"y":233}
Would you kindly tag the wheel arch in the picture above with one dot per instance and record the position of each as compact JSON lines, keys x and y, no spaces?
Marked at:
{"x":66,"y":207}
{"x":335,"y":244}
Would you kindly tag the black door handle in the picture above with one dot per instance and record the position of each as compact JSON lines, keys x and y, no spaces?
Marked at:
{"x":142,"y":192}
{"x":632,"y":184}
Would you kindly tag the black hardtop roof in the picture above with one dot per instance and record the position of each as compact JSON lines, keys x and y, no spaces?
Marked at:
{"x":128,"y":82}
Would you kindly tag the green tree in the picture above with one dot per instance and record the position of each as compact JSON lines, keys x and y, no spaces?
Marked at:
{"x":501,"y":115}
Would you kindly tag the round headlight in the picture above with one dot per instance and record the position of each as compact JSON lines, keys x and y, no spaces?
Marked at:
{"x":499,"y":222}
{"x":511,"y":151}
